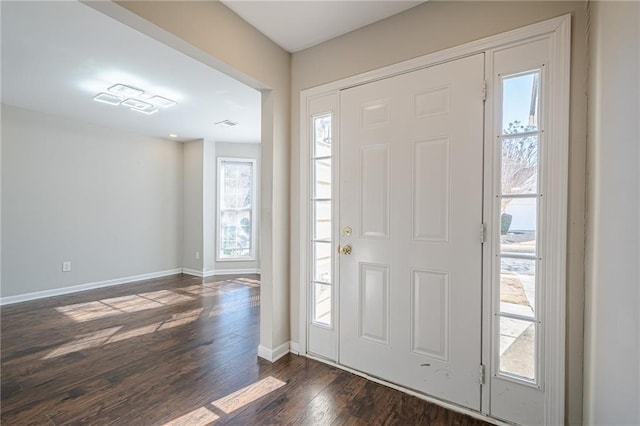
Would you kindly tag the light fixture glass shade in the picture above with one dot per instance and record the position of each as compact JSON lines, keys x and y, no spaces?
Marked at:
{"x":145,"y":111}
{"x":107,"y":98}
{"x":137,"y":104}
{"x":226,"y":123}
{"x":125,"y":91}
{"x":161,"y":101}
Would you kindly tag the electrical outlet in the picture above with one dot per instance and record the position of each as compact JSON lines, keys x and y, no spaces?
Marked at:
{"x":197,"y":255}
{"x":66,"y":266}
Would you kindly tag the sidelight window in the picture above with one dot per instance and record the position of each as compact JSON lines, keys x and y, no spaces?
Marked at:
{"x":518,"y":199}
{"x":322,"y":244}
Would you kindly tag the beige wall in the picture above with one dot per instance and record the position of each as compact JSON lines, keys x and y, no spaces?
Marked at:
{"x":107,"y":200}
{"x":612,"y":318}
{"x":431,"y":27}
{"x":192,"y":181}
{"x":212,"y":33}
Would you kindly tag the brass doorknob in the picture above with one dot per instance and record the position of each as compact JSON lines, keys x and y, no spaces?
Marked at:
{"x":346,"y":249}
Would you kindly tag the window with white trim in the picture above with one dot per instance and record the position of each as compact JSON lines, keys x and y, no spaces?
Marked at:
{"x":236,"y":208}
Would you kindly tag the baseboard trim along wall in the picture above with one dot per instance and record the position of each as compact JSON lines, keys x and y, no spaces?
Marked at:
{"x":117,"y":281}
{"x":84,"y":287}
{"x":294,"y":347}
{"x":193,"y":272}
{"x":272,"y":355}
{"x":212,"y":272}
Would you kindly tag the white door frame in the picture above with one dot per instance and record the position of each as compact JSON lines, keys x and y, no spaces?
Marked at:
{"x":558,"y":33}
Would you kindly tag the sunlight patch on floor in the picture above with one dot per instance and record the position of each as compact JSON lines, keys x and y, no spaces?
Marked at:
{"x":112,"y":335}
{"x":201,"y":290}
{"x":227,"y":286}
{"x":248,"y":281}
{"x":82,"y":312}
{"x":228,"y":404}
{"x":180,"y":319}
{"x":140,"y":331}
{"x":235,"y":306}
{"x":248,"y":394}
{"x":201,"y":416}
{"x":85,"y":341}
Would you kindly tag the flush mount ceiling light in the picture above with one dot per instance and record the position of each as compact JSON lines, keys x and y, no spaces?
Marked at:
{"x":161,"y":101}
{"x":107,"y":98}
{"x":226,"y":123}
{"x":137,"y":104}
{"x":134,"y":98}
{"x":125,"y":91}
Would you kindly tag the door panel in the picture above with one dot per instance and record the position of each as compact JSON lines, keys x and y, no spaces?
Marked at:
{"x":373,"y":305}
{"x":411,"y":190}
{"x":430,"y":314}
{"x":374,"y":191}
{"x":431,"y":189}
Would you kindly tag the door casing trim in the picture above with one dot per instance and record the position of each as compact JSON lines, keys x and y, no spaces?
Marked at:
{"x":558,"y":31}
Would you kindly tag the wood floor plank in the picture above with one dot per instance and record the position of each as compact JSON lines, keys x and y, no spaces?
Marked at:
{"x":346,"y":419}
{"x":282,"y":406}
{"x":176,"y":350}
{"x":332,"y":401}
{"x":60,"y":374}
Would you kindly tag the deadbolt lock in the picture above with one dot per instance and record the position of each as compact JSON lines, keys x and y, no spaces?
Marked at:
{"x":346,"y":231}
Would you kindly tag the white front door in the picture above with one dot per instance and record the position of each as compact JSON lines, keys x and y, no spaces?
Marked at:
{"x":411,"y":182}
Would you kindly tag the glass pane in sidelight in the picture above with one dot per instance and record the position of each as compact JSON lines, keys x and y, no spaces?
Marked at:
{"x":322,"y":178}
{"x":322,"y":136}
{"x":322,"y":303}
{"x":518,"y":226}
{"x":520,"y":165}
{"x":322,"y":215}
{"x":518,"y":286}
{"x":518,"y":348}
{"x":520,"y":100}
{"x":322,"y":256}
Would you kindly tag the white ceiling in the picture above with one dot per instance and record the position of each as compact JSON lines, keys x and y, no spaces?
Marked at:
{"x":57,"y":55}
{"x":296,"y":25}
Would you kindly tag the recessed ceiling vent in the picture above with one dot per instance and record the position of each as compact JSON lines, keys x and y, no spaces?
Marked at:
{"x":226,"y":123}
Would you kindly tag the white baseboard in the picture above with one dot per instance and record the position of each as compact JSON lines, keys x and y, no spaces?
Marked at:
{"x":272,"y":355}
{"x":294,"y":347}
{"x":117,"y":281}
{"x":83,"y":287}
{"x":248,"y":271}
{"x":218,"y":272}
{"x":194,"y":272}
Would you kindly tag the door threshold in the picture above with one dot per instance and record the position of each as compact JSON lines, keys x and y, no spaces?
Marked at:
{"x":448,"y":405}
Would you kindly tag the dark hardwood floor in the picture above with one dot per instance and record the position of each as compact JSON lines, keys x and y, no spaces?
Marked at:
{"x":178,"y":351}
